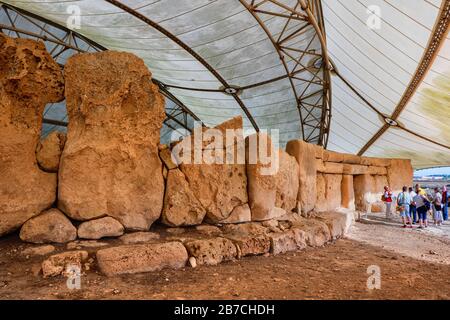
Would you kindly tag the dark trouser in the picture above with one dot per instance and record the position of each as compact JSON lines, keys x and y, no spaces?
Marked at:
{"x":445,"y":212}
{"x":413,"y":213}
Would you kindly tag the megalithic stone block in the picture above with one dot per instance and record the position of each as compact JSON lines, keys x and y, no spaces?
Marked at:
{"x":29,"y":79}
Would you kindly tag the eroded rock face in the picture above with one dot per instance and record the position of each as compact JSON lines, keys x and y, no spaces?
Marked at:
{"x":29,"y":79}
{"x":287,"y":182}
{"x":50,"y":226}
{"x":305,"y":154}
{"x":328,"y":192}
{"x":139,"y":258}
{"x":100,"y":228}
{"x":347,"y":192}
{"x":59,"y":263}
{"x":49,"y":151}
{"x":181,"y":207}
{"x":110,"y":164}
{"x":212,"y":251}
{"x":262,"y":184}
{"x":218,"y":184}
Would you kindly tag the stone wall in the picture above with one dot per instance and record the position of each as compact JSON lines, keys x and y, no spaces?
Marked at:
{"x":114,"y":177}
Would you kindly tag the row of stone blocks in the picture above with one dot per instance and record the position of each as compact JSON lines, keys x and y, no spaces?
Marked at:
{"x":111,"y":164}
{"x":220,"y":245}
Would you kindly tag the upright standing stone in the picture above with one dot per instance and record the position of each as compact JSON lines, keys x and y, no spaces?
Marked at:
{"x":347,"y":192}
{"x":110,"y":164}
{"x":400,"y":174}
{"x":29,"y":79}
{"x":261,"y":181}
{"x":287,"y":182}
{"x":305,"y":154}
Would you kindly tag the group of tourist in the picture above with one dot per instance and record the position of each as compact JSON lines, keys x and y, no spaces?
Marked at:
{"x":415,"y":204}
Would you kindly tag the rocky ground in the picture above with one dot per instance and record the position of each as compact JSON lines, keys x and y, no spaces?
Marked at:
{"x":336,"y":271}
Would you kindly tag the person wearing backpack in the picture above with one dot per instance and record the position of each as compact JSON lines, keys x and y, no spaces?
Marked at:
{"x":404,"y":201}
{"x":419,"y":200}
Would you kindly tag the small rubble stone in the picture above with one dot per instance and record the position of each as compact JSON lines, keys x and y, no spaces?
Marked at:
{"x":57,"y":264}
{"x":38,"y":251}
{"x":212,"y":251}
{"x":100,"y":228}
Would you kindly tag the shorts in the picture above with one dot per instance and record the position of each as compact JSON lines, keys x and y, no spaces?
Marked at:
{"x":404,"y":211}
{"x":422,"y":211}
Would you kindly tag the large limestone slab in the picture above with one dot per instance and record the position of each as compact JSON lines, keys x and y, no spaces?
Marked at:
{"x":240,"y":214}
{"x":355,"y":169}
{"x":336,"y":222}
{"x":142,"y":258}
{"x":368,"y":190}
{"x":50,"y":226}
{"x":250,"y":245}
{"x":287,"y":241}
{"x":29,"y":79}
{"x":262,"y":184}
{"x":328,"y":192}
{"x":377,"y":162}
{"x":331,"y":168}
{"x":181,"y":207}
{"x":305,"y":154}
{"x":400,"y":173}
{"x":287,"y":182}
{"x":316,"y":232}
{"x":49,"y":150}
{"x":110,"y":164}
{"x":215,"y":169}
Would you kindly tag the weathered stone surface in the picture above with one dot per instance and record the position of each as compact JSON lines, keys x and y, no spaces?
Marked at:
{"x":49,"y":150}
{"x":38,"y":251}
{"x":29,"y":79}
{"x":351,"y":158}
{"x":250,"y":245}
{"x":328,"y":192}
{"x":290,"y":240}
{"x":212,"y":251}
{"x":336,"y":222}
{"x":331,"y":168}
{"x":374,"y":170}
{"x":110,"y":164}
{"x":100,"y":228}
{"x":347,"y":192}
{"x":287,"y":182}
{"x":139,"y":237}
{"x":378,"y":162}
{"x":141,"y":258}
{"x":304,"y":153}
{"x":49,"y":226}
{"x":355,"y":169}
{"x":262,"y":183}
{"x":166,"y":157}
{"x":252,"y":228}
{"x":316,"y":232}
{"x":400,"y":173}
{"x":214,"y":168}
{"x":332,"y":156}
{"x":58,"y":263}
{"x":181,"y":207}
{"x":208,"y":230}
{"x":318,"y":151}
{"x":240,"y":214}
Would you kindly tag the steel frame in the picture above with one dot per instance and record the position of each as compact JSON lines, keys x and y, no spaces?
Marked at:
{"x":441,"y":29}
{"x":177,"y":116}
{"x":314,"y":128}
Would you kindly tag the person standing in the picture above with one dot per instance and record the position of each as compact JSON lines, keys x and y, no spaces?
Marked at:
{"x":437,"y":204}
{"x":422,"y":209}
{"x":445,"y":198}
{"x":387,"y":199}
{"x":404,"y":201}
{"x":412,"y":207}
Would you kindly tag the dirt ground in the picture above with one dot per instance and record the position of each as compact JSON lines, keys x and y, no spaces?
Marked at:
{"x":336,"y":271}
